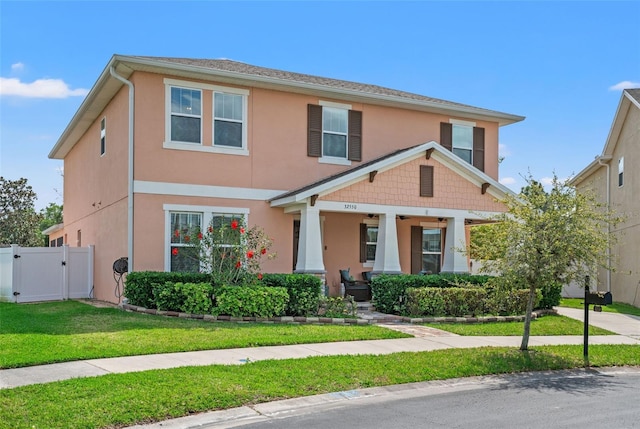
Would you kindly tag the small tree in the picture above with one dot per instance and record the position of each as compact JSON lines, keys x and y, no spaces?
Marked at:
{"x":49,"y":216}
{"x":18,"y":219}
{"x":545,"y":237}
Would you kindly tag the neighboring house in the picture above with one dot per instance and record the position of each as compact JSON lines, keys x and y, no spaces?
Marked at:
{"x":340,"y":174}
{"x":614,"y":178}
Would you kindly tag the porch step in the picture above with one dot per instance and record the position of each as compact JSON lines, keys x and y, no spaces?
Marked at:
{"x":367,"y":311}
{"x":365,"y":306}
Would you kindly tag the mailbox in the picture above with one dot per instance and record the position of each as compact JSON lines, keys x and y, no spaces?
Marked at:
{"x":599,"y":298}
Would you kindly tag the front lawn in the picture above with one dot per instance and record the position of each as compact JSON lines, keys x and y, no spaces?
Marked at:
{"x":118,"y":400}
{"x":616,"y":307}
{"x":34,"y":334}
{"x":547,"y":325}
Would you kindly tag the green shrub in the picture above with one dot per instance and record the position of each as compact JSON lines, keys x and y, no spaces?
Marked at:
{"x":509,"y":302}
{"x":138,"y":286}
{"x":390,"y":291}
{"x":194,"y":298}
{"x":451,"y":301}
{"x":551,"y":295}
{"x":337,"y":307}
{"x":250,"y":301}
{"x":303,"y":289}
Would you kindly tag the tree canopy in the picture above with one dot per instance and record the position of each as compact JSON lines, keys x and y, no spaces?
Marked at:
{"x":19,"y":222}
{"x":545,"y":237}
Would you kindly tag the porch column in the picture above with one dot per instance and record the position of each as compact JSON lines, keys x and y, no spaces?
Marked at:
{"x":455,"y":261}
{"x":387,"y":255}
{"x":310,"y":242}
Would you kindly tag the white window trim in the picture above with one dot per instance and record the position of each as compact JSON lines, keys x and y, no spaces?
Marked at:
{"x":463,"y":124}
{"x":332,"y":159}
{"x":207,"y":214}
{"x":370,"y":222}
{"x":168,"y":113}
{"x":209,"y":146}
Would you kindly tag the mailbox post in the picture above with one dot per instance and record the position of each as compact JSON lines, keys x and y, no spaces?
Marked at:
{"x":597,"y":299}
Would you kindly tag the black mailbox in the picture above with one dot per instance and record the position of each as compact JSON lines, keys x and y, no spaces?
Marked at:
{"x":599,"y":298}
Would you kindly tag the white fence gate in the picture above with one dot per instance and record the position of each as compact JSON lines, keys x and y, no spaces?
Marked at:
{"x":29,"y":274}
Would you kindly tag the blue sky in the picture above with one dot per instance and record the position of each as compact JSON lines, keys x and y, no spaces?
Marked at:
{"x":560,"y":64}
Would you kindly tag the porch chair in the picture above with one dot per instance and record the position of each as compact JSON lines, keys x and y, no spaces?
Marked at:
{"x":358,"y":289}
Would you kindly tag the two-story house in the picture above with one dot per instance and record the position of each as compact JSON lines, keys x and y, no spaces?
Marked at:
{"x":340,"y":174}
{"x":613,"y":177}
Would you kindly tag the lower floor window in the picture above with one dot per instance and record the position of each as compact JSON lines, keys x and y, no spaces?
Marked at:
{"x":372,"y":241}
{"x":431,"y":251}
{"x":185,"y":226}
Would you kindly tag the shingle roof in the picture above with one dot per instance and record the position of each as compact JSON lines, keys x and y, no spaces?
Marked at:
{"x":286,"y":76}
{"x":635,"y":93}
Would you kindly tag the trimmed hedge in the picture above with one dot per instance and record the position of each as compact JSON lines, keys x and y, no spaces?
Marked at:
{"x":390,"y":291}
{"x":304,"y":292}
{"x":193,"y":298}
{"x":250,"y":301}
{"x":139,"y":285}
{"x":453,"y":301}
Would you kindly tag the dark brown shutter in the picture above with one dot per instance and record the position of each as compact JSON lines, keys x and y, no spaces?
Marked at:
{"x":363,"y":242}
{"x":478,"y":148}
{"x":446,"y":135}
{"x":426,"y":181}
{"x":355,"y":135}
{"x":314,"y":132}
{"x":416,"y":249}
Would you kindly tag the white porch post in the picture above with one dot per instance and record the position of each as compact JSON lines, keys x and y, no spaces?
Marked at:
{"x":387,"y":254}
{"x":454,"y":261}
{"x":310,"y":242}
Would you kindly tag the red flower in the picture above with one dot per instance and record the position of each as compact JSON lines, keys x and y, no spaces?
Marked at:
{"x":199,"y":236}
{"x":250,"y":254}
{"x":259,"y":276}
{"x":263,"y":251}
{"x":238,"y":264}
{"x":210,"y":229}
{"x":174,"y":251}
{"x":241,"y":230}
{"x":187,"y":238}
{"x":234,"y":224}
{"x":176,"y":233}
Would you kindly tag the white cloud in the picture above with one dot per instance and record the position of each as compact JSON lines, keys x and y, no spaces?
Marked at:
{"x":17,"y":67}
{"x":625,"y":84}
{"x":41,"y":88}
{"x":503,"y":150}
{"x":547,"y":181}
{"x":508,"y":181}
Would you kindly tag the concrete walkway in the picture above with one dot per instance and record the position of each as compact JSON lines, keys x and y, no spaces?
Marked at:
{"x":425,"y":339}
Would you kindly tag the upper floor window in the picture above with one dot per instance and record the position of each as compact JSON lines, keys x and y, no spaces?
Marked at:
{"x":228,"y":120}
{"x":334,"y":133}
{"x":103,"y":136}
{"x":465,"y":140}
{"x":621,"y":171}
{"x":186,"y":115}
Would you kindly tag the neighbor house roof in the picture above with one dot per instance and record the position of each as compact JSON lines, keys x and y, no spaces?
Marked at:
{"x":629,"y":98}
{"x":238,"y":73}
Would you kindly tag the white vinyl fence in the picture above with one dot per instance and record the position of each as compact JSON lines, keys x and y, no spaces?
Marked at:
{"x":29,"y":274}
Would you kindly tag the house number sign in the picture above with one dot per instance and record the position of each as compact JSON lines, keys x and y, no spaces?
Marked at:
{"x":351,"y":207}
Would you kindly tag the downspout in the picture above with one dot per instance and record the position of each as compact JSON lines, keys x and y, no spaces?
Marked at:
{"x":606,"y":164}
{"x":130,"y":172}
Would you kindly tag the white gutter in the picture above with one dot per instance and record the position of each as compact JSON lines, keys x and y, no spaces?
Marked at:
{"x":608,"y":225}
{"x":130,"y":173}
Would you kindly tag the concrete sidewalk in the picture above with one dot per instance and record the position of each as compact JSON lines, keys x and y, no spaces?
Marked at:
{"x":621,"y":324}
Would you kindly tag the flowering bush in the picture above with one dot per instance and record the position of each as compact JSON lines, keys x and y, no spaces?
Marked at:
{"x":227,"y":249}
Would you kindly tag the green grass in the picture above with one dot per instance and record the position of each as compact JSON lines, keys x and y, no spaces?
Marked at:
{"x":37,"y":334}
{"x":119,"y":400}
{"x":616,"y":307}
{"x":546,"y":325}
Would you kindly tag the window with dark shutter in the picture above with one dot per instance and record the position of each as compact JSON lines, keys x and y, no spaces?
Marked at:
{"x":363,"y":242}
{"x":355,"y":135}
{"x":446,"y":135}
{"x":314,"y":134}
{"x":426,"y":181}
{"x":478,"y":148}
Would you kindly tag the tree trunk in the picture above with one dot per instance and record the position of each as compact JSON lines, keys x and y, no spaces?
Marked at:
{"x":527,"y":318}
